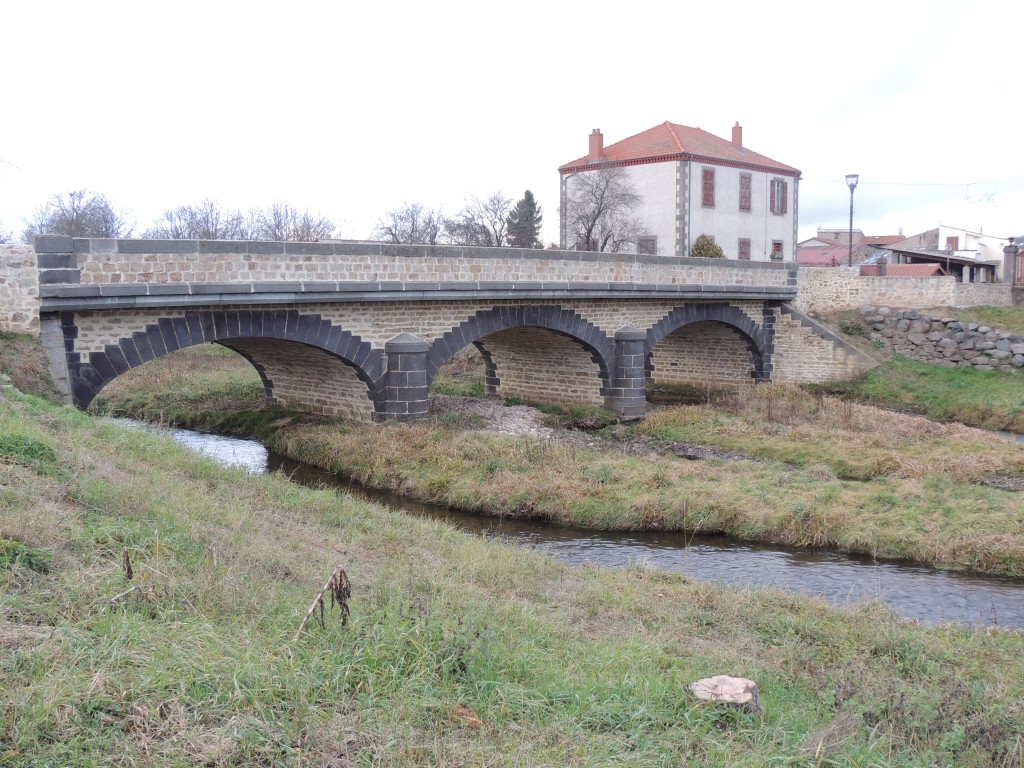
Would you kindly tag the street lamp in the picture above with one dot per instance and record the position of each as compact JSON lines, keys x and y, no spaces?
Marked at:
{"x":851,"y":182}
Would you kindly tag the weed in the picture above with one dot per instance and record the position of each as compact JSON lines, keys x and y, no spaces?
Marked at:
{"x":849,"y":323}
{"x":27,"y":451}
{"x":14,"y":553}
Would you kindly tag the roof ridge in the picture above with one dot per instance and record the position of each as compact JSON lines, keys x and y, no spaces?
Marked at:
{"x":672,"y":131}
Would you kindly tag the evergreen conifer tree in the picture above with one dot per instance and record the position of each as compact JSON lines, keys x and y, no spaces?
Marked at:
{"x":524,"y":223}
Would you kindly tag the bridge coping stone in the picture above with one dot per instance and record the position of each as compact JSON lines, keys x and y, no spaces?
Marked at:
{"x":64,"y":244}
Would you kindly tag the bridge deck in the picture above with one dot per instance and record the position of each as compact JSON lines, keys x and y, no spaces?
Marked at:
{"x":82,"y":273}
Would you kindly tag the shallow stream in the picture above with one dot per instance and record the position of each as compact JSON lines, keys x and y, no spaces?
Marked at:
{"x":927,"y":594}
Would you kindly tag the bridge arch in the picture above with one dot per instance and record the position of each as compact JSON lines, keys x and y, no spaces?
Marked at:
{"x":286,"y":348}
{"x":731,"y":328}
{"x":508,"y":331}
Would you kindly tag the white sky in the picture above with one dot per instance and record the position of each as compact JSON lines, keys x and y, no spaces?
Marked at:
{"x":352,"y":108}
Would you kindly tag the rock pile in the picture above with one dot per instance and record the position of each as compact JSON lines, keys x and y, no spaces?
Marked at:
{"x":944,"y":340}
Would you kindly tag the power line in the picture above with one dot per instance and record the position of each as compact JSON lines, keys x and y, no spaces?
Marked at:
{"x":900,"y":183}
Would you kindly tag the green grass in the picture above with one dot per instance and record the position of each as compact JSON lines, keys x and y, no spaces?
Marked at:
{"x":1009,"y":319}
{"x":989,"y":399}
{"x":445,"y":384}
{"x":458,"y":651}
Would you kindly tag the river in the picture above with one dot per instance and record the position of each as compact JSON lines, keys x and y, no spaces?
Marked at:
{"x":924,"y":593}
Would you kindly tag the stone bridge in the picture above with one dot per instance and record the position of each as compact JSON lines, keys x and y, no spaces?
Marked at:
{"x":360,"y":330}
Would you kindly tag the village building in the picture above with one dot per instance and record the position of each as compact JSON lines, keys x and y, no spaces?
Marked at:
{"x":692,"y":182}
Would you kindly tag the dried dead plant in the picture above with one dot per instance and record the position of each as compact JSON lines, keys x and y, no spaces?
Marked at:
{"x":340,"y":590}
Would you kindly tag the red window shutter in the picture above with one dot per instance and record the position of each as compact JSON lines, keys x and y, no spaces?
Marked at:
{"x":708,"y":177}
{"x":744,"y":191}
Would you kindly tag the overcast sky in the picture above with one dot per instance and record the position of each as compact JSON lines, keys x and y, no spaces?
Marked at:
{"x":353,"y":108}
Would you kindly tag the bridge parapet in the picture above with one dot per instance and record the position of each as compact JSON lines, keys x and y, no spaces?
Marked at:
{"x":112,"y":267}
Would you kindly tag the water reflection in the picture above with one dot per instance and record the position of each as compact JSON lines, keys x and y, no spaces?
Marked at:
{"x":920,"y":592}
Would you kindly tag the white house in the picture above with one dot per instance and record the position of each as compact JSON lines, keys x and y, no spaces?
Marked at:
{"x":693,"y":183}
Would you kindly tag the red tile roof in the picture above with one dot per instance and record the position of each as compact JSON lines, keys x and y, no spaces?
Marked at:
{"x":828,"y":256}
{"x":670,"y":141}
{"x":903,"y":270}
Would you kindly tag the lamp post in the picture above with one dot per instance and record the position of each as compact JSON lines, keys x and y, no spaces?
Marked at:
{"x":851,"y":182}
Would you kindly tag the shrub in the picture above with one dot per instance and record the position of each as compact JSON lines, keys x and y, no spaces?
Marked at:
{"x":706,"y":248}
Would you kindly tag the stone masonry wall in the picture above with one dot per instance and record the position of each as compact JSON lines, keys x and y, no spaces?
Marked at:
{"x":839,"y":288}
{"x":803,"y":356}
{"x":705,"y":353}
{"x":308,"y":377}
{"x":100,"y":261}
{"x":19,"y":289}
{"x":944,"y":340}
{"x":539,"y":365}
{"x":979,"y":294}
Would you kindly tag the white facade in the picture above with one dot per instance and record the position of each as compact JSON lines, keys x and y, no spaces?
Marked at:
{"x":673,"y":208}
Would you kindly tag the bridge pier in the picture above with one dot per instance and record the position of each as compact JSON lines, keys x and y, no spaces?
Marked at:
{"x":628,"y":396}
{"x":406,"y":395}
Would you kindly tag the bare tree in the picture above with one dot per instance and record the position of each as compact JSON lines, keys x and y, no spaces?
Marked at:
{"x":5,"y":235}
{"x":208,"y":221}
{"x":205,"y":220}
{"x":410,"y":223}
{"x":283,"y":222}
{"x":600,"y":210}
{"x":480,"y":222}
{"x":79,"y":213}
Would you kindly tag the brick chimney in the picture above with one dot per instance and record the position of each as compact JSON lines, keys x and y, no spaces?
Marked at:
{"x":596,"y":146}
{"x":737,"y":136}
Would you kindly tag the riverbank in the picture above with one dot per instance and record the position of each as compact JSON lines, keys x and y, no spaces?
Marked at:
{"x":457,"y":650}
{"x":791,"y":468}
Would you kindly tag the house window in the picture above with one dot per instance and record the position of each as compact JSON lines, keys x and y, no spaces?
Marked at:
{"x":744,"y":249}
{"x":953,"y":243}
{"x":708,"y":187}
{"x":648,"y":244}
{"x":776,"y":250}
{"x":777,"y":196}
{"x":745,"y":192}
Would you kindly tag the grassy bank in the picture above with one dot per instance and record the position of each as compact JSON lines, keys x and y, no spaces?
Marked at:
{"x":827,"y":473}
{"x":458,"y":651}
{"x":987,"y":399}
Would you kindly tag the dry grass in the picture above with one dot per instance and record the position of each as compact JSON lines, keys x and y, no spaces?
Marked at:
{"x":855,"y":441}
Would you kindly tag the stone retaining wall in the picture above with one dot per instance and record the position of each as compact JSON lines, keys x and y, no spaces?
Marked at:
{"x":944,"y":340}
{"x":19,"y":290}
{"x":838,"y":288}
